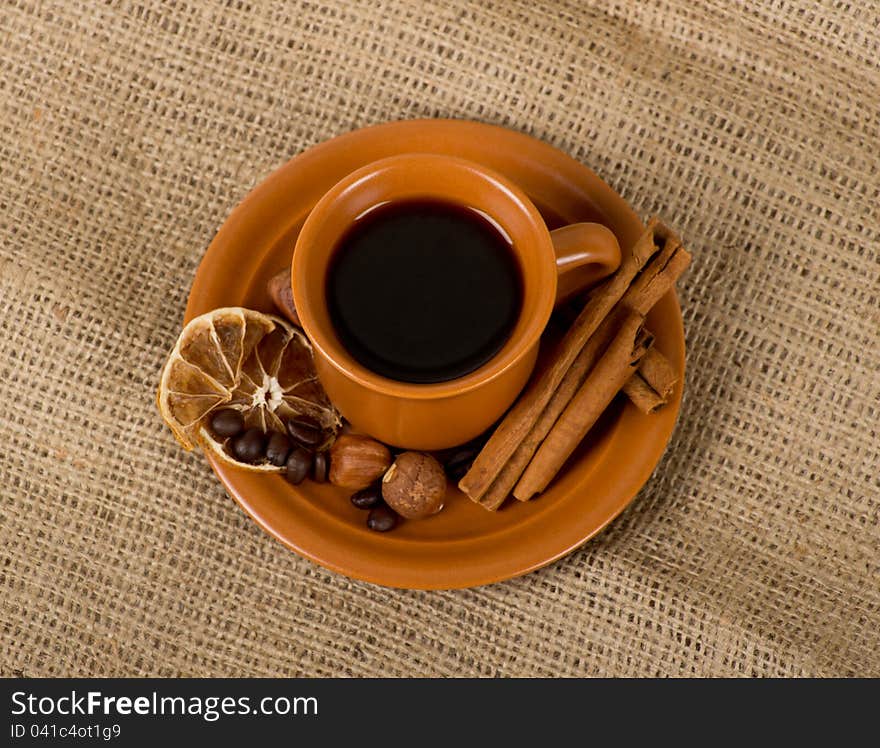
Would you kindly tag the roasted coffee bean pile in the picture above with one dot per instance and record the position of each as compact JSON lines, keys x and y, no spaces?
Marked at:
{"x":227,"y":422}
{"x":277,"y":448}
{"x":250,"y":446}
{"x":294,"y":451}
{"x":367,"y":497}
{"x":459,"y":460}
{"x":298,"y":465}
{"x":381,"y":517}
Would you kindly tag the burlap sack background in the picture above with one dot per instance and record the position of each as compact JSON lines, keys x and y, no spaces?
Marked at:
{"x":129,"y":130}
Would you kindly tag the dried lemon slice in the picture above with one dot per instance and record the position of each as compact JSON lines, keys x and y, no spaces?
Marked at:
{"x":242,"y":359}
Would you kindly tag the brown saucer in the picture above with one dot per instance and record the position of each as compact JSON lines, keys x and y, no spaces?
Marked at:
{"x":464,"y":545}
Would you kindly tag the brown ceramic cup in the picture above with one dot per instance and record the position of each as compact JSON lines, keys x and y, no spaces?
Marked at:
{"x":553,"y":264}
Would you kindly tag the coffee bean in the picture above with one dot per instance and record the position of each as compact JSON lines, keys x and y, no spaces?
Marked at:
{"x":227,"y":422}
{"x":307,"y":431}
{"x":381,"y":518}
{"x":298,"y":464}
{"x":367,"y":497}
{"x":249,"y":446}
{"x":459,"y":462}
{"x":320,"y":467}
{"x":278,"y":448}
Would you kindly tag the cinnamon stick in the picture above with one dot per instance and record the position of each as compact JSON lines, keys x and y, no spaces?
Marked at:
{"x":522,"y":417}
{"x":655,"y":280}
{"x":642,"y":395}
{"x":647,"y":399}
{"x":658,"y":372}
{"x":503,"y":485}
{"x":651,"y":386}
{"x":595,"y":394}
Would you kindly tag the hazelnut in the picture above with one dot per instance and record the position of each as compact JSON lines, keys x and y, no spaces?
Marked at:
{"x":356,"y":461}
{"x":282,"y":294}
{"x":415,"y":485}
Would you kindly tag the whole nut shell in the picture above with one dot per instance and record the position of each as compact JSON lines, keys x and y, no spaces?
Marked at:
{"x":415,"y":485}
{"x":356,"y":461}
{"x":280,"y":290}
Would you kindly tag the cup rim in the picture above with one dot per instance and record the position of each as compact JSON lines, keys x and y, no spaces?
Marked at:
{"x":512,"y":352}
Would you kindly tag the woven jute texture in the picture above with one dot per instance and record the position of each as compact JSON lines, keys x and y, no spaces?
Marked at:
{"x":129,"y":130}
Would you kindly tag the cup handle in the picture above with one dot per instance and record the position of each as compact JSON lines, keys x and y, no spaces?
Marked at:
{"x":585,"y":253}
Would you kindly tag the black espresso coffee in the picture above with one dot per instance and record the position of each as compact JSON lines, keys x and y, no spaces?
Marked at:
{"x":423,"y":291}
